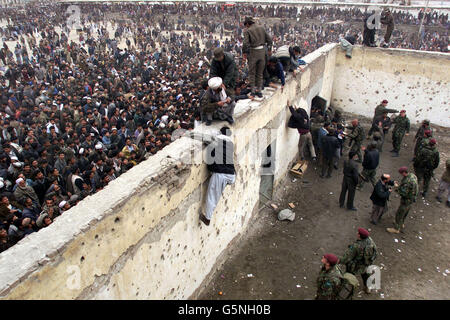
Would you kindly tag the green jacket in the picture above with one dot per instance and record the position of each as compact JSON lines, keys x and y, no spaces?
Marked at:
{"x":225,"y":69}
{"x":255,"y":36}
{"x":427,"y":158}
{"x":357,"y":135}
{"x":358,"y":256}
{"x":402,"y":125}
{"x":329,"y":283}
{"x":409,"y":187}
{"x":380,"y":109}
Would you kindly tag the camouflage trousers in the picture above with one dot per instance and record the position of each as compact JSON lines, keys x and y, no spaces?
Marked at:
{"x":356,"y":147}
{"x":367,"y":175}
{"x":402,"y":213}
{"x":425,"y":175}
{"x":397,"y":137}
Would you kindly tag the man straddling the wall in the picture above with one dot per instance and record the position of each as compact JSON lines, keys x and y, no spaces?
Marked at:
{"x":347,"y":44}
{"x":300,"y":121}
{"x":255,"y":38}
{"x":408,"y":191}
{"x":275,"y":72}
{"x":220,"y":162}
{"x":401,"y":127}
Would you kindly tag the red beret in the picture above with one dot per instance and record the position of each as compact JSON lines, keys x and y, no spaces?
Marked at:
{"x":403,"y":111}
{"x":427,"y":132}
{"x":403,"y":169}
{"x":331,"y":258}
{"x":384,"y":101}
{"x":432,"y":142}
{"x":363,"y":233}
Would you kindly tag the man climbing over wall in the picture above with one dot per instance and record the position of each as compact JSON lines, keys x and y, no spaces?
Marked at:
{"x":220,"y":162}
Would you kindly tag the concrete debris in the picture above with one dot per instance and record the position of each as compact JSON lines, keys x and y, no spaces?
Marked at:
{"x":399,"y":250}
{"x":396,"y":240}
{"x":419,"y":269}
{"x":286,"y":214}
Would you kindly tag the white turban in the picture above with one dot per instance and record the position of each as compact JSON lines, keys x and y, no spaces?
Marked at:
{"x":215,"y":83}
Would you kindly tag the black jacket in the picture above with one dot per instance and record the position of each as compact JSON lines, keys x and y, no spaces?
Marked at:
{"x":371,"y":159}
{"x":226,"y":69}
{"x":380,"y":194}
{"x":329,"y":146}
{"x":351,"y":170}
{"x":221,"y":156}
{"x":299,"y":119}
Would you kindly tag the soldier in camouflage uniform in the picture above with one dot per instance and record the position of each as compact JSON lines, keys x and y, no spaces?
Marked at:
{"x":426,"y":161}
{"x":422,"y":138}
{"x":329,"y":279}
{"x":360,"y":255}
{"x":408,"y":191}
{"x":401,"y":128}
{"x":379,"y":111}
{"x":356,"y":137}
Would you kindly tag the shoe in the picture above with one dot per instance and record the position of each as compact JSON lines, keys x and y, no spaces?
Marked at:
{"x":392,"y":230}
{"x":208,"y":122}
{"x":372,"y":45}
{"x":395,"y":155}
{"x":230,"y":120}
{"x":314,"y":159}
{"x":348,"y":56}
{"x":204,"y":220}
{"x":259,"y":94}
{"x":438,"y":199}
{"x":373,"y":222}
{"x":424,"y":194}
{"x":335,"y":167}
{"x":353,"y":209}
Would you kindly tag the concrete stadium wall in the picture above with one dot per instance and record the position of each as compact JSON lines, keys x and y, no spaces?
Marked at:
{"x":140,"y":237}
{"x":416,"y":81}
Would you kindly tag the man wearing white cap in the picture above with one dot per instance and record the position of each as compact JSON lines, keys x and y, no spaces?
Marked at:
{"x":218,"y":103}
{"x":23,"y":192}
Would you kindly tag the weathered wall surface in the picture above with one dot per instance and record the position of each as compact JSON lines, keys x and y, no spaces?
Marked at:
{"x":416,"y":81}
{"x":140,"y":237}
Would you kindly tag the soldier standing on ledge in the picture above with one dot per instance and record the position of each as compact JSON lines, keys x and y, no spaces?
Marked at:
{"x":401,"y":128}
{"x":255,"y":37}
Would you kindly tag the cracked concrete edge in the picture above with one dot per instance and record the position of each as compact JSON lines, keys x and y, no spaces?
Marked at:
{"x":40,"y":248}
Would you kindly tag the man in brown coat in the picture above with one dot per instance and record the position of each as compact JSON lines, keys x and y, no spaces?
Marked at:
{"x":255,"y":37}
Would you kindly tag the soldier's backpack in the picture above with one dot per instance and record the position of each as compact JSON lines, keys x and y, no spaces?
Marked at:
{"x":349,"y":284}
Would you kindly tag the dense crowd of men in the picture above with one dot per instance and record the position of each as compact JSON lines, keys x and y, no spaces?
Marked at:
{"x":76,"y":114}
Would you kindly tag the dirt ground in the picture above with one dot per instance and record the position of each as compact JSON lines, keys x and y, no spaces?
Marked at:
{"x":281,"y":259}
